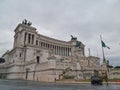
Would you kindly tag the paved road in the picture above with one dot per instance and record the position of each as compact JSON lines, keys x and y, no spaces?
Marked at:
{"x":29,"y":85}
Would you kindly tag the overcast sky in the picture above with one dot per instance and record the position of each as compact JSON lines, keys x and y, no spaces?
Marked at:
{"x":85,"y":19}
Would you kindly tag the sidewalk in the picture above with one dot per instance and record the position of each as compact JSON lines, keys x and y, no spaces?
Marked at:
{"x":80,"y":82}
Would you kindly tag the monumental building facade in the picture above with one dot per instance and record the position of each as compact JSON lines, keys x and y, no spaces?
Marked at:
{"x":41,"y":58}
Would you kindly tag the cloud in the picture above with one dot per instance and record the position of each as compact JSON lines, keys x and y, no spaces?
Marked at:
{"x":85,"y":19}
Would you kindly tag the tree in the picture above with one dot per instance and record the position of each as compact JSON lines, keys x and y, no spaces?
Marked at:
{"x":117,"y":66}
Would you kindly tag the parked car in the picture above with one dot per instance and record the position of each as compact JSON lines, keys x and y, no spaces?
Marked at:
{"x":95,"y":80}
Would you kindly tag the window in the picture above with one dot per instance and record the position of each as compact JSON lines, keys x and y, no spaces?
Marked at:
{"x":36,"y":42}
{"x":20,"y":55}
{"x":48,"y":45}
{"x":32,"y":39}
{"x":38,"y":59}
{"x":29,"y":37}
{"x":25,"y":37}
{"x":41,"y":44}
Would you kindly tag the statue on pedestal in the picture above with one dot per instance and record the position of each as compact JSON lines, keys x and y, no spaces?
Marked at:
{"x":26,"y":22}
{"x":73,"y":38}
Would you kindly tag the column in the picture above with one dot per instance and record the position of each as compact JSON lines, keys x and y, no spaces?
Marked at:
{"x":68,"y":51}
{"x":62,"y":51}
{"x":65,"y":51}
{"x":55,"y":49}
{"x":58,"y":50}
{"x":39,"y":43}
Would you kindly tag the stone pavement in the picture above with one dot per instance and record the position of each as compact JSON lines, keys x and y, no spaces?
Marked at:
{"x":30,"y":85}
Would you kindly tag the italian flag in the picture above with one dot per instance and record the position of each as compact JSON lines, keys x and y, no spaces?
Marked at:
{"x":104,"y":45}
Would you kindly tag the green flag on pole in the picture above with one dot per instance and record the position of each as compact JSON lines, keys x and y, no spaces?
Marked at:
{"x":104,"y":45}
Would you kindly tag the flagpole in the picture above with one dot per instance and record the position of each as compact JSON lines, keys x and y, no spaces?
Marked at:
{"x":104,"y":61}
{"x":102,"y":49}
